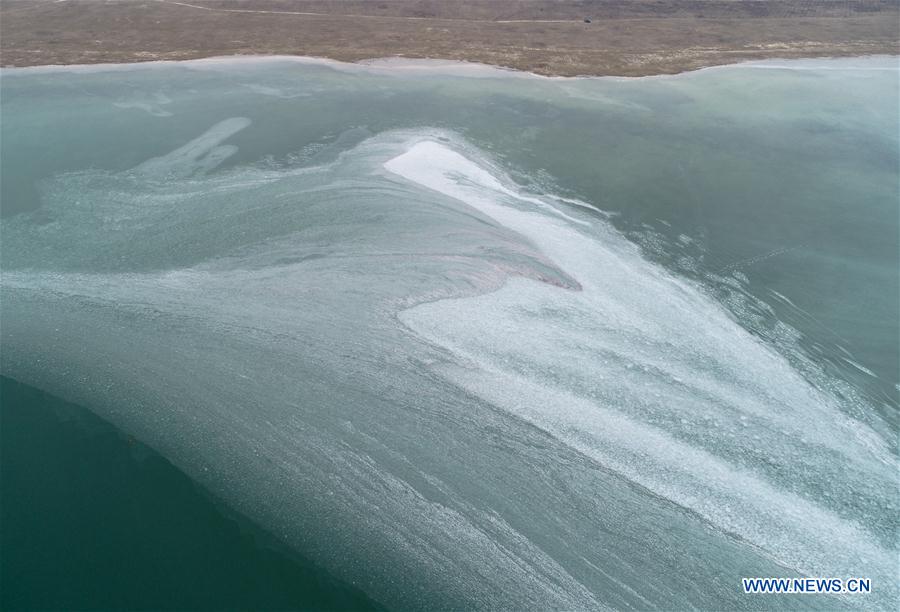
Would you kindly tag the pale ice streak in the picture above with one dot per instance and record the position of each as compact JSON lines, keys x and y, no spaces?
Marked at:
{"x":647,"y":375}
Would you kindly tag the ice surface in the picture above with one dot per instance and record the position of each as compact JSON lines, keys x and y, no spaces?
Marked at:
{"x":450,"y":389}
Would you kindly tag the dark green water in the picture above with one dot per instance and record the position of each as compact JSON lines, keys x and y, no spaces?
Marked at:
{"x":93,"y":519}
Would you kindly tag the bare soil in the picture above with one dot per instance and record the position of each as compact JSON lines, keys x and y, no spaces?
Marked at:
{"x":623,"y":37}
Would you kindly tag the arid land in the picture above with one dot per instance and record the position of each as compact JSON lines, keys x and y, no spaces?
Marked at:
{"x":623,"y":37}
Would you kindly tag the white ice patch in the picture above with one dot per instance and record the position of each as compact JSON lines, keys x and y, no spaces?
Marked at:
{"x":199,"y":156}
{"x":443,"y":169}
{"x":649,"y":376}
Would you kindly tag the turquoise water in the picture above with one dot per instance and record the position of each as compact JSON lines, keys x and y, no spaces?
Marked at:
{"x":471,"y":338}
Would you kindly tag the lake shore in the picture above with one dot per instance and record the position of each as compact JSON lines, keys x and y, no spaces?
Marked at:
{"x":638,"y":38}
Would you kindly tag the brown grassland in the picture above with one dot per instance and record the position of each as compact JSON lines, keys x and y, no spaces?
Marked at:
{"x":623,"y":37}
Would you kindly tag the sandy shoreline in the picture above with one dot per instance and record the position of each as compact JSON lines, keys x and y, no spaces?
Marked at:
{"x":633,"y":38}
{"x":430,"y":67}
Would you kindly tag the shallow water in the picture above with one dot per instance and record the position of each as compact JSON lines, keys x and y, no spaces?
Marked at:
{"x":473,"y":338}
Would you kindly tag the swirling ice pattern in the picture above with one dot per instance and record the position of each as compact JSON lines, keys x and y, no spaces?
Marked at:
{"x":450,"y":391}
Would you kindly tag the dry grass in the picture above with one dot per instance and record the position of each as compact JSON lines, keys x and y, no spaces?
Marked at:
{"x":625,"y":37}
